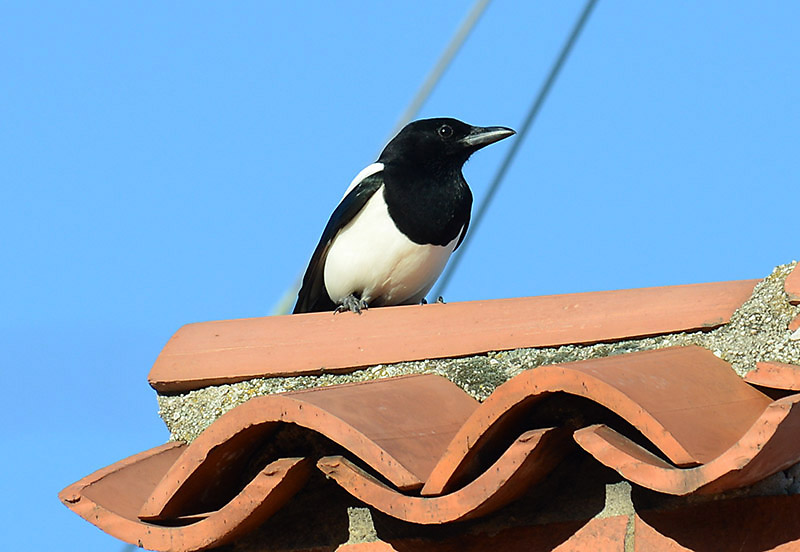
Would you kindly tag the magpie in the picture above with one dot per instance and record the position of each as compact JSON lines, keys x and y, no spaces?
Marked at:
{"x":390,"y":237}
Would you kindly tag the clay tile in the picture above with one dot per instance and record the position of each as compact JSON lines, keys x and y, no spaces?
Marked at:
{"x":768,"y":446}
{"x":665,"y":394}
{"x":398,"y":426}
{"x":111,"y":498}
{"x":598,"y":535}
{"x":752,"y":524}
{"x":411,"y":418}
{"x":792,"y":285}
{"x":776,"y":375}
{"x":212,"y":353}
{"x":648,"y":539}
{"x":532,"y":456}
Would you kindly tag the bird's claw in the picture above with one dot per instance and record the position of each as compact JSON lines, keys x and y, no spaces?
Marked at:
{"x":353,"y":304}
{"x":440,"y":300}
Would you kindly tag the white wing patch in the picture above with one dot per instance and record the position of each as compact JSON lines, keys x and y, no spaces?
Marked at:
{"x":369,"y":170}
{"x":372,"y":257}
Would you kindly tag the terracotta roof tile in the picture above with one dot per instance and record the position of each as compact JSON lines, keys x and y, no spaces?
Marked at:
{"x":792,"y":285}
{"x":135,"y":475}
{"x":398,"y":426}
{"x":770,"y":445}
{"x":750,"y":524}
{"x":530,"y":458}
{"x":649,"y":540}
{"x":777,"y":375}
{"x":600,"y":535}
{"x":663,"y":393}
{"x":110,"y":498}
{"x":211,"y":353}
{"x":684,"y":400}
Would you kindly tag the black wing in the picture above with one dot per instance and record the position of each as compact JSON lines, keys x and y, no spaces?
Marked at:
{"x":467,"y":214}
{"x":313,"y":297}
{"x":464,"y":228}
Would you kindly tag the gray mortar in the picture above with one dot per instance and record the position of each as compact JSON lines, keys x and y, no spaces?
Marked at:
{"x":757,"y":331}
{"x":361,"y":527}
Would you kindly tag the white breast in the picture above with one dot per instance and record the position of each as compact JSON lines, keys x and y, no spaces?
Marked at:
{"x":370,"y":256}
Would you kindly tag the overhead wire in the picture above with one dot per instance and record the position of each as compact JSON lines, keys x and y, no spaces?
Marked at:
{"x":441,"y":66}
{"x":284,"y":304}
{"x":530,"y":117}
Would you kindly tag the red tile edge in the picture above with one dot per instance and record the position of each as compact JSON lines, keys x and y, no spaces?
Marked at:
{"x":701,"y":384}
{"x":787,"y":547}
{"x":776,"y":375}
{"x":648,"y":539}
{"x":792,"y":285}
{"x":72,"y":494}
{"x":97,"y":499}
{"x":753,"y":524}
{"x":530,"y":458}
{"x":770,"y":445}
{"x":213,"y":353}
{"x":354,"y":416}
{"x":600,"y":534}
{"x":760,"y":523}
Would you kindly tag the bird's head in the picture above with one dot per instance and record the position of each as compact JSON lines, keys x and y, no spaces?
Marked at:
{"x":440,"y":141}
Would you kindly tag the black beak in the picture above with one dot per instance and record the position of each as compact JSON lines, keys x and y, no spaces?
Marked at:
{"x":483,"y":136}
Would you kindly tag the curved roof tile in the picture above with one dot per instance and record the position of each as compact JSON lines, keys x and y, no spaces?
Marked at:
{"x":111,"y":497}
{"x":768,"y":446}
{"x":398,"y":426}
{"x":777,"y":375}
{"x":685,"y":400}
{"x":530,"y":458}
{"x":663,"y":393}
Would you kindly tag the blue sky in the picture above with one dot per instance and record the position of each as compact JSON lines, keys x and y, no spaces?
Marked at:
{"x":172,"y":163}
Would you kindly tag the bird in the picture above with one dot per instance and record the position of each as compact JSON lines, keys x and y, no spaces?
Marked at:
{"x":401,"y":218}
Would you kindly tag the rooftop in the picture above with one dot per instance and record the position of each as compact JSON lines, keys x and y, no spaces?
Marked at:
{"x":595,"y":419}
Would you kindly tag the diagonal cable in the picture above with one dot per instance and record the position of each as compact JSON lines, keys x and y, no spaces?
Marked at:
{"x":441,"y":66}
{"x":512,"y":151}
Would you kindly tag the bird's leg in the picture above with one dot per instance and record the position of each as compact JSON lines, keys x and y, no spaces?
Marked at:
{"x":353,"y":304}
{"x":440,"y":300}
{"x":423,"y":301}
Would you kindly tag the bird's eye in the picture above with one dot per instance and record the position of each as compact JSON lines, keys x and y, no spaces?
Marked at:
{"x":445,"y":131}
